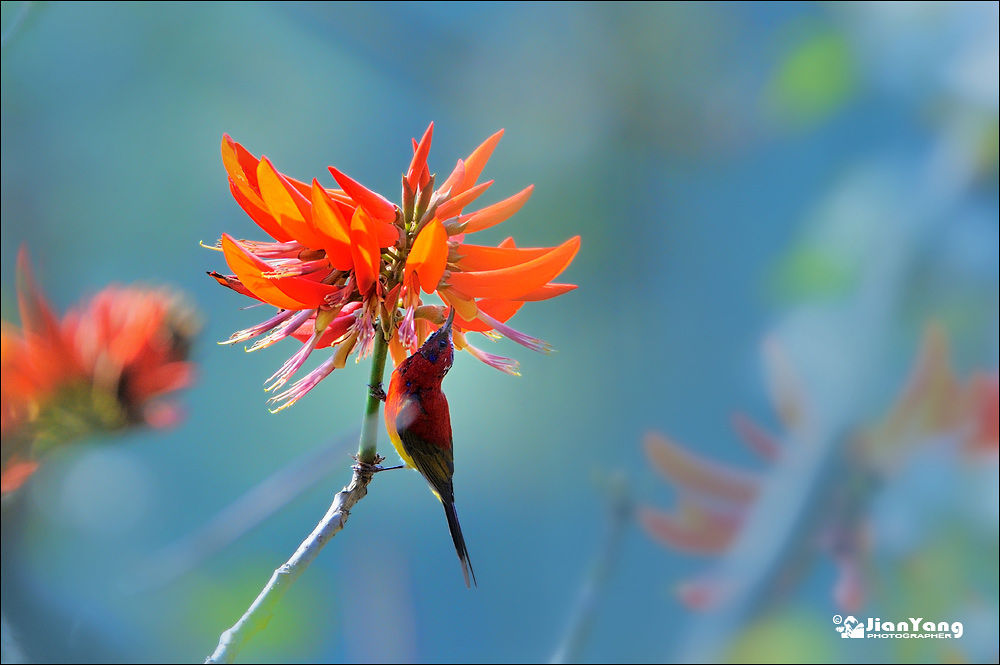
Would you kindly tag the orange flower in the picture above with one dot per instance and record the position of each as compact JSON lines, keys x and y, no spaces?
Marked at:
{"x":933,"y":401}
{"x":715,"y":498}
{"x":103,"y":367}
{"x":347,"y":260}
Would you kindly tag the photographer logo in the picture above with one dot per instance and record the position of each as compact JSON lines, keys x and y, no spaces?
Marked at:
{"x":911,"y":628}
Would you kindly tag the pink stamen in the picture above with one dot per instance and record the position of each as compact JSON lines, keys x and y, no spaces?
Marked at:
{"x":293,"y":364}
{"x":366,"y":342}
{"x":284,"y":330}
{"x":303,"y":385}
{"x":297,"y":268}
{"x":339,"y":297}
{"x":528,"y":341}
{"x":274,"y":250}
{"x":365,"y":327}
{"x":408,"y":330}
{"x":260,"y":328}
{"x":506,"y":365}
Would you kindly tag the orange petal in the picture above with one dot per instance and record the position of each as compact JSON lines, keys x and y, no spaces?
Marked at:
{"x":703,"y":594}
{"x":477,"y":161}
{"x":344,"y":203}
{"x":453,"y":206}
{"x":252,"y":205}
{"x":364,"y":251}
{"x":396,"y":350}
{"x":419,"y":161}
{"x":550,"y":290}
{"x":496,"y":213}
{"x":334,"y":229}
{"x":429,"y":255}
{"x":292,"y":210}
{"x":756,"y":437}
{"x":931,"y":401}
{"x":516,"y":281}
{"x":248,"y":269}
{"x":15,"y":473}
{"x":456,"y":177}
{"x":302,"y":188}
{"x":683,"y":533}
{"x":160,"y":379}
{"x":341,"y":196}
{"x":312,"y":293}
{"x":501,"y":310}
{"x":232,"y":282}
{"x":697,"y":474}
{"x":374,"y":204}
{"x":242,"y":169}
{"x":386,"y":234}
{"x":465,"y":306}
{"x":287,"y":293}
{"x":478,"y":257}
{"x":240,"y":164}
{"x":981,"y":408}
{"x":38,"y":320}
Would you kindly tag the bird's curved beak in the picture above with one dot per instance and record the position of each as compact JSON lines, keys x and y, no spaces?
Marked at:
{"x":449,"y":321}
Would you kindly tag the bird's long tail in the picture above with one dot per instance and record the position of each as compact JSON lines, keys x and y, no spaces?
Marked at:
{"x":456,"y":535}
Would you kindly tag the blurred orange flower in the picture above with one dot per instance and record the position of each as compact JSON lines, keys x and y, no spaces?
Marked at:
{"x":714,"y":498}
{"x":934,"y":400}
{"x":345,"y":259}
{"x":103,"y":367}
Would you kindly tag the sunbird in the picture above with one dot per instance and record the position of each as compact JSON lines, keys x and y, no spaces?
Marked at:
{"x":419,"y":424}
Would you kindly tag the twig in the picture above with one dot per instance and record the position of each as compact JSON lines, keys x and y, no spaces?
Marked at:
{"x":257,"y":616}
{"x":582,"y":619}
{"x":262,"y":608}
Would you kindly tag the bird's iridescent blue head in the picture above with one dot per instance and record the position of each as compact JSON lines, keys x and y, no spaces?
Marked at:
{"x":438,"y":349}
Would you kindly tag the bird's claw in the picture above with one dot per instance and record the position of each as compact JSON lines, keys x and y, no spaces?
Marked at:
{"x":368,"y":467}
{"x":374,"y":467}
{"x":376,"y":391}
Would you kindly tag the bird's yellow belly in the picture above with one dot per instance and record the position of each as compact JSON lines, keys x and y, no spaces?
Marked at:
{"x":397,"y":443}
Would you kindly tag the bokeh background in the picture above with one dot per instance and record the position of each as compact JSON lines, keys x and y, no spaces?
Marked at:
{"x":822,"y":175}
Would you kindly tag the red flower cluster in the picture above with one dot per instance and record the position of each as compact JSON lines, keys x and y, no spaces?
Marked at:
{"x":102,"y":367}
{"x":347,"y":262}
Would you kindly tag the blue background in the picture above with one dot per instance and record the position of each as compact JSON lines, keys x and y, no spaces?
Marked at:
{"x":732,"y":169}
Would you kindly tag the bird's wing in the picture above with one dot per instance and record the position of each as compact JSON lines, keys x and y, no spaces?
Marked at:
{"x":435,"y":462}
